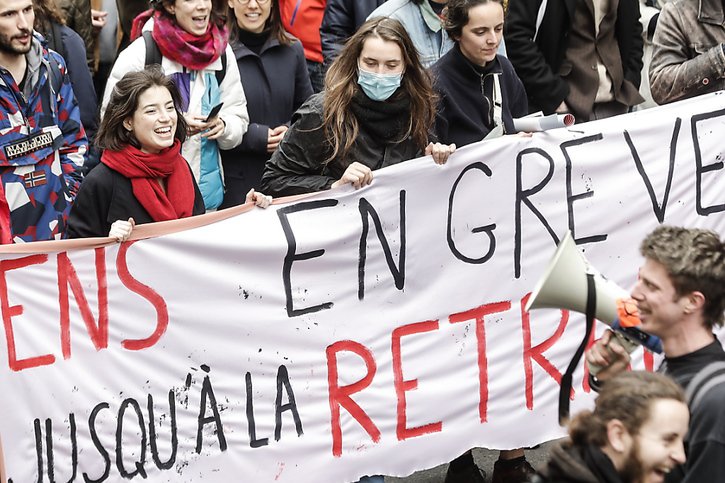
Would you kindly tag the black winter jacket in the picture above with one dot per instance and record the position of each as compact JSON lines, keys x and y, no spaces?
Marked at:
{"x":572,"y":464}
{"x":106,"y":196}
{"x":276,"y":84}
{"x":342,"y":18}
{"x":465,"y":111}
{"x":297,"y":166}
{"x":70,"y":46}
{"x":537,"y":62}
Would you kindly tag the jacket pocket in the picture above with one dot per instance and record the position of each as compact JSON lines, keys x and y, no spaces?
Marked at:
{"x":565,"y":68}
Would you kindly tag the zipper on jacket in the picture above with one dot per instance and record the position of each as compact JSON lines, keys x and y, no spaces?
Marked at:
{"x":22,"y":102}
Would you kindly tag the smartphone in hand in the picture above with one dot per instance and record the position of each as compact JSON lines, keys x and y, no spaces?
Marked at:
{"x":214,"y":112}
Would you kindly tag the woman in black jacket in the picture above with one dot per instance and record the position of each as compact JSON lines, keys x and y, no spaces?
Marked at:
{"x":142,"y":177}
{"x":377,"y":110}
{"x":274,"y":76}
{"x":472,"y":80}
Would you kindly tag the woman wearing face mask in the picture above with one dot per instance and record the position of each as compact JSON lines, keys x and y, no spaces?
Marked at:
{"x":479,"y":90}
{"x":274,"y":75}
{"x":376,"y":110}
{"x":142,"y":176}
{"x":190,"y":37}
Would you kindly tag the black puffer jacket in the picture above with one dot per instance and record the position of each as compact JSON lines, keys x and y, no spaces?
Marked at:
{"x":298,"y":165}
{"x":341,"y":20}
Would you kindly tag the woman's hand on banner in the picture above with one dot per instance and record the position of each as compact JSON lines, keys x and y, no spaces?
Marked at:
{"x":440,"y":152}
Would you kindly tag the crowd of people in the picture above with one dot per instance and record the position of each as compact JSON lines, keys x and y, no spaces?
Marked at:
{"x":208,"y":104}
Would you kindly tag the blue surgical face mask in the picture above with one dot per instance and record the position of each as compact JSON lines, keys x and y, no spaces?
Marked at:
{"x":378,"y":87}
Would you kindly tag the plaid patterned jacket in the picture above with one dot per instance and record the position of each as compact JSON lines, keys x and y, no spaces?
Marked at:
{"x":42,"y":148}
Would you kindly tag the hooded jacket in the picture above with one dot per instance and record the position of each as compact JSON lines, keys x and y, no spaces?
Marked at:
{"x":42,"y":148}
{"x":573,"y":464}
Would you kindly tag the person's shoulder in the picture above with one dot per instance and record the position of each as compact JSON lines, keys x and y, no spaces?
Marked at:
{"x":313,"y":105}
{"x":101,"y":172}
{"x":679,"y":8}
{"x":71,"y":39}
{"x":389,"y":8}
{"x":101,"y":179}
{"x":135,"y":51}
{"x":505,"y":64}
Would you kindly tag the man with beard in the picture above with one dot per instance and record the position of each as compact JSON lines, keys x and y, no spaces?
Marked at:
{"x":634,"y":434}
{"x":43,"y":143}
{"x":680,"y":295}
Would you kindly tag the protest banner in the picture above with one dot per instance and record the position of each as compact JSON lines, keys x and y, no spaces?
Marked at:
{"x":377,"y":331}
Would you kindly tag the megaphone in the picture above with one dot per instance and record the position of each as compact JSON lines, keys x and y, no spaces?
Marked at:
{"x":534,"y":123}
{"x":564,"y":286}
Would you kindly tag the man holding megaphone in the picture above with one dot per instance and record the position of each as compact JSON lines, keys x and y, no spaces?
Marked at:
{"x":680,"y":296}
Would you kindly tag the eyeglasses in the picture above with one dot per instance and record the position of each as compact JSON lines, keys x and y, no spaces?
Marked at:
{"x":246,"y":2}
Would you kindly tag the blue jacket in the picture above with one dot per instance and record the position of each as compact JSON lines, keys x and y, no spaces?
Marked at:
{"x":342,"y":18}
{"x":422,"y":24}
{"x":276,"y":84}
{"x":42,"y":148}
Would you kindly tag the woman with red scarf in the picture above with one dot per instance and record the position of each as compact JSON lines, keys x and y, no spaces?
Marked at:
{"x":190,"y":40}
{"x":142,"y":177}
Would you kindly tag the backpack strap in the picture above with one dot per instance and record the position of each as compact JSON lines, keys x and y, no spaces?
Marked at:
{"x":153,"y":55}
{"x":221,"y":73}
{"x":56,"y":40}
{"x":48,"y":99}
{"x":708,"y":377}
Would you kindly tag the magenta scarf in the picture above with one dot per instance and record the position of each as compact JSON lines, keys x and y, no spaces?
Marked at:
{"x":191,"y":51}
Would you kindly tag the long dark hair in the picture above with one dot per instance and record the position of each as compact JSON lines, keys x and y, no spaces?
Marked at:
{"x":123,"y":103}
{"x":273,"y":23}
{"x":340,"y":127}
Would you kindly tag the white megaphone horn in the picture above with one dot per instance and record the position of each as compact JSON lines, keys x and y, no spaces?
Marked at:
{"x":534,"y":123}
{"x":564,"y":286}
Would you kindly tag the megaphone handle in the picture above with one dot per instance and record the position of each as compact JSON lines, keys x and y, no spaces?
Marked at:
{"x":566,"y":379}
{"x":619,"y":339}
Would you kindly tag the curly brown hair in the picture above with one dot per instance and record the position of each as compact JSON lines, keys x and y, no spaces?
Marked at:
{"x":46,"y":12}
{"x":628,"y":398}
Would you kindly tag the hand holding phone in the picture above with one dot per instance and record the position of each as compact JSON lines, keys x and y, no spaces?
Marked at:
{"x":214,"y":112}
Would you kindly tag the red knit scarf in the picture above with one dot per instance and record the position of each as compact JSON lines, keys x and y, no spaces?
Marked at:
{"x":144,"y":170}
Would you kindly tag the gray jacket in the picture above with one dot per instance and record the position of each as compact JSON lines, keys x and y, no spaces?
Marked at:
{"x":688,"y":57}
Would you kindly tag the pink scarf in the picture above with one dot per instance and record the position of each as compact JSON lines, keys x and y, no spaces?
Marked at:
{"x":192,"y":51}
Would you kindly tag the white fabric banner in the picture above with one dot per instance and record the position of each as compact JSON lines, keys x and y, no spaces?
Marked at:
{"x":377,"y":331}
